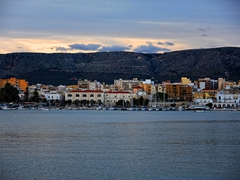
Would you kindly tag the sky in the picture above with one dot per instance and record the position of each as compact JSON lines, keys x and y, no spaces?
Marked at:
{"x":146,"y":26}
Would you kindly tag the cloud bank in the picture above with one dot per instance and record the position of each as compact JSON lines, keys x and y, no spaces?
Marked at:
{"x":149,"y":47}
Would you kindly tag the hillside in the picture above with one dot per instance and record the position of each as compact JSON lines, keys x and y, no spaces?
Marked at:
{"x":60,"y":68}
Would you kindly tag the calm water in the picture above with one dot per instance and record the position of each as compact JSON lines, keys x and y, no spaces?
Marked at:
{"x":119,"y":145}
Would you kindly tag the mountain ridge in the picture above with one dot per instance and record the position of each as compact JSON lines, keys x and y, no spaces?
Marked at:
{"x":59,"y":68}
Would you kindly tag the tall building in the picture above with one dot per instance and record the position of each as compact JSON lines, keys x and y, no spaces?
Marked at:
{"x":147,"y":85}
{"x":22,"y":84}
{"x":177,"y":91}
{"x":204,"y":83}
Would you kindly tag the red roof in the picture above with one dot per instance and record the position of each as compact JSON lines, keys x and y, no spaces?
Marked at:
{"x":118,"y":92}
{"x":137,"y":87}
{"x":86,"y":91}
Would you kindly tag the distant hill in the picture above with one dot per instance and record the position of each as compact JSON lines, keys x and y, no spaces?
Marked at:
{"x":66,"y":68}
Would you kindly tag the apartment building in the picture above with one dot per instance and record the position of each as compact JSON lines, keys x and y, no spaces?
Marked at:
{"x":177,"y":91}
{"x":147,"y":86}
{"x":121,"y":84}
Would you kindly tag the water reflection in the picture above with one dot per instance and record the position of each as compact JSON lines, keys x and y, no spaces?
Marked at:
{"x":132,"y":145}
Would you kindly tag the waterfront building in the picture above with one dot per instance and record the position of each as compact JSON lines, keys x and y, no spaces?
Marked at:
{"x":111,"y":97}
{"x":53,"y":96}
{"x":84,"y":95}
{"x":203,"y":102}
{"x":230,"y":95}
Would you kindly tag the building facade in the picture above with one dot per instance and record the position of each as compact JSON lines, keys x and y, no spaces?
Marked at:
{"x":84,"y":95}
{"x":121,"y":84}
{"x":177,"y":91}
{"x":111,"y":97}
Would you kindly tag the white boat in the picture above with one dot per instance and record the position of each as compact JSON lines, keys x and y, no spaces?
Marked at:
{"x":44,"y":109}
{"x":199,"y":111}
{"x":99,"y":108}
{"x":113,"y":109}
{"x":8,"y":108}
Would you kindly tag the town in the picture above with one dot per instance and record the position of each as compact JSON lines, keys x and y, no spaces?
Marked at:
{"x":135,"y":94}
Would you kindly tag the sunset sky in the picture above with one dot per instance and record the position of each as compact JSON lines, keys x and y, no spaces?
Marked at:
{"x":153,"y":26}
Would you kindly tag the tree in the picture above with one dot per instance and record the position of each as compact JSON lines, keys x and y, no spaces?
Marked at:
{"x":210,"y":105}
{"x":9,"y":93}
{"x":140,"y":101}
{"x":159,"y":96}
{"x":26,"y":95}
{"x":35,"y":97}
{"x":146,"y":101}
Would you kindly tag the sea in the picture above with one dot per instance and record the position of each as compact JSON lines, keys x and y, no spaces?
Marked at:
{"x":121,"y":145}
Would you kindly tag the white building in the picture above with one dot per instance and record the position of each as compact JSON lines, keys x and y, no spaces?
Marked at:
{"x":111,"y":97}
{"x":228,"y":98}
{"x":53,"y":96}
{"x":84,"y":95}
{"x":203,"y":102}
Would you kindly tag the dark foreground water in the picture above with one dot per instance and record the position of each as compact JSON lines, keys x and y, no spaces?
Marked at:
{"x":119,"y":145}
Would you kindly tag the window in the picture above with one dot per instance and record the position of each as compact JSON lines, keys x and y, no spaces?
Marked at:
{"x":91,"y":95}
{"x":99,"y":95}
{"x":84,"y":95}
{"x":69,"y":95}
{"x":77,"y":95}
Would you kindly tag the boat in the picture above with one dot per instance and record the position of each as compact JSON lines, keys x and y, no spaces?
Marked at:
{"x":196,"y":107}
{"x":132,"y":109}
{"x":199,"y":111}
{"x":44,"y":109}
{"x":8,"y":108}
{"x":99,"y":108}
{"x":113,"y":109}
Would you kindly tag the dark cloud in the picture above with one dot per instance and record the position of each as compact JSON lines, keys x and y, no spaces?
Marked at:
{"x":149,"y":43}
{"x":169,"y":43}
{"x":114,"y":48}
{"x":160,"y":43}
{"x":203,"y":29}
{"x":166,"y":43}
{"x":85,"y":47}
{"x":204,"y":35}
{"x":58,"y":48}
{"x":150,"y":49}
